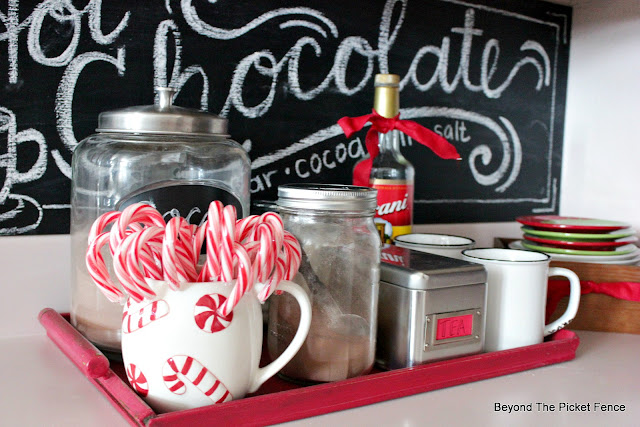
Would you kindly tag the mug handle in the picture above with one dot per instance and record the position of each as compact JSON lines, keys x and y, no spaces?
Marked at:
{"x":574,"y":300}
{"x":272,"y":368}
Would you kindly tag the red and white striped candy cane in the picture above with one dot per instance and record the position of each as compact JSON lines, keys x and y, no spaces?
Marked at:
{"x":227,"y":243}
{"x":195,"y":373}
{"x":138,"y":319}
{"x":211,"y":268}
{"x":243,"y":281}
{"x":122,"y":272}
{"x":98,"y":269}
{"x":265,"y":258}
{"x":130,"y":219}
{"x":101,"y":223}
{"x":276,"y":221}
{"x":141,"y":253}
{"x":177,"y":253}
{"x":277,"y":225}
{"x":245,"y":226}
{"x":286,"y":267}
{"x":199,"y":237}
{"x":294,"y":255}
{"x":275,"y":279}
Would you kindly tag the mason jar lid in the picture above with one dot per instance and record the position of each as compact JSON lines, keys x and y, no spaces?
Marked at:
{"x":327,"y":197}
{"x":162,"y":118}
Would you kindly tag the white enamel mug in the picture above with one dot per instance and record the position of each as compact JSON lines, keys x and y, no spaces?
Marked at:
{"x":180,"y":354}
{"x":439,"y":244}
{"x":517,"y":296}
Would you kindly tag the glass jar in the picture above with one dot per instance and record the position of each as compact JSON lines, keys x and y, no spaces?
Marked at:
{"x":177,"y":159}
{"x":340,"y":270}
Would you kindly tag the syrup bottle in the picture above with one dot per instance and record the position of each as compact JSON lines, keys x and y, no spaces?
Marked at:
{"x":391,"y":173}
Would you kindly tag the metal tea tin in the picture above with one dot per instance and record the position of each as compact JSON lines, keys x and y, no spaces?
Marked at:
{"x":430,"y":308}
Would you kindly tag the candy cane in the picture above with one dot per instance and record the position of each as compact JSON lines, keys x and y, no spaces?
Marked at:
{"x":275,"y":279}
{"x":146,"y":249}
{"x":245,"y":226}
{"x":199,"y":237}
{"x":251,"y":249}
{"x":243,"y":281}
{"x":137,"y":250}
{"x":294,"y":253}
{"x":177,"y":258}
{"x":130,"y":217}
{"x":266,"y":254}
{"x":227,"y":243}
{"x":98,"y":269}
{"x":277,"y":225}
{"x":211,"y":269}
{"x":286,"y":268}
{"x":101,"y":223}
{"x":132,"y":321}
{"x":122,"y":272}
{"x":196,"y":374}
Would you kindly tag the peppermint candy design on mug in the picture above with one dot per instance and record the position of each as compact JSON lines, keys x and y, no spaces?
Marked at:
{"x":132,"y":321}
{"x":207,"y":316}
{"x":137,"y":380}
{"x":180,"y":366}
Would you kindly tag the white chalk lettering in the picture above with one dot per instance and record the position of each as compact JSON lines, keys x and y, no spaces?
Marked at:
{"x":465,"y":58}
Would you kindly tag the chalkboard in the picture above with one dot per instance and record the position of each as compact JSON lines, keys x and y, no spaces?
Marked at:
{"x":489,"y":75}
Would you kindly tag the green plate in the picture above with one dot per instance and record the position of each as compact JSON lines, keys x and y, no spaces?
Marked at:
{"x":618,"y":234}
{"x":622,"y":251}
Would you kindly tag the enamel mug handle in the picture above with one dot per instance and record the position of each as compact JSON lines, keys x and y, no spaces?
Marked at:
{"x":272,"y":368}
{"x":574,"y":300}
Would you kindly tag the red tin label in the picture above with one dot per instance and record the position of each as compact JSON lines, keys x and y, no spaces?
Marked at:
{"x":454,"y":327}
{"x":392,"y":254}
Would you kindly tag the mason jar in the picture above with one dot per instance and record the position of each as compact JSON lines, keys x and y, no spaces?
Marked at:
{"x":176,"y":159}
{"x":339,"y":269}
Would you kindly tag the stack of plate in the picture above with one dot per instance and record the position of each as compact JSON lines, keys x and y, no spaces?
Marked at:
{"x":579,"y":239}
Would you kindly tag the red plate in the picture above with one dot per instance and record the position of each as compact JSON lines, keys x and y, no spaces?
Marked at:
{"x":571,"y":223}
{"x":594,"y":246}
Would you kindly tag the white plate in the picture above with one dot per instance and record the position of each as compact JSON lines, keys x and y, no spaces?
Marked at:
{"x":627,"y":259}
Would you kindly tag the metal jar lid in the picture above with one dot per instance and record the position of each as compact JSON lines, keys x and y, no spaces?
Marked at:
{"x":162,"y":118}
{"x":327,"y":197}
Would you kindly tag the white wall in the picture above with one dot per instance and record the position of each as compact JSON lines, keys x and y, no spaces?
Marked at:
{"x":601,"y":164}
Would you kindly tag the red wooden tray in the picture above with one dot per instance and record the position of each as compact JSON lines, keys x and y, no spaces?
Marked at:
{"x":278,"y":401}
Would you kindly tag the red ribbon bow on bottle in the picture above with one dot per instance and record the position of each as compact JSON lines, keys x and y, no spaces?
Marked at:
{"x":379,"y":124}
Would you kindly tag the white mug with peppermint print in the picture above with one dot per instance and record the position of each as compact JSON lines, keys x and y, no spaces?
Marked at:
{"x":180,"y":353}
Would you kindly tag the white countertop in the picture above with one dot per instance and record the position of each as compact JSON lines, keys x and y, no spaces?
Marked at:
{"x":41,"y":387}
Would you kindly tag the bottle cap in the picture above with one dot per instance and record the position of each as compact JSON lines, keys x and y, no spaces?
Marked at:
{"x":387,"y":80}
{"x":386,"y":99}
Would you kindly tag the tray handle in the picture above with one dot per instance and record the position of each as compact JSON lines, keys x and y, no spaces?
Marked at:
{"x":76,"y":347}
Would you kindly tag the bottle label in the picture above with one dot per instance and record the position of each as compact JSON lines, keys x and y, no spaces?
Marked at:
{"x":394,"y":213}
{"x":190,"y":201}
